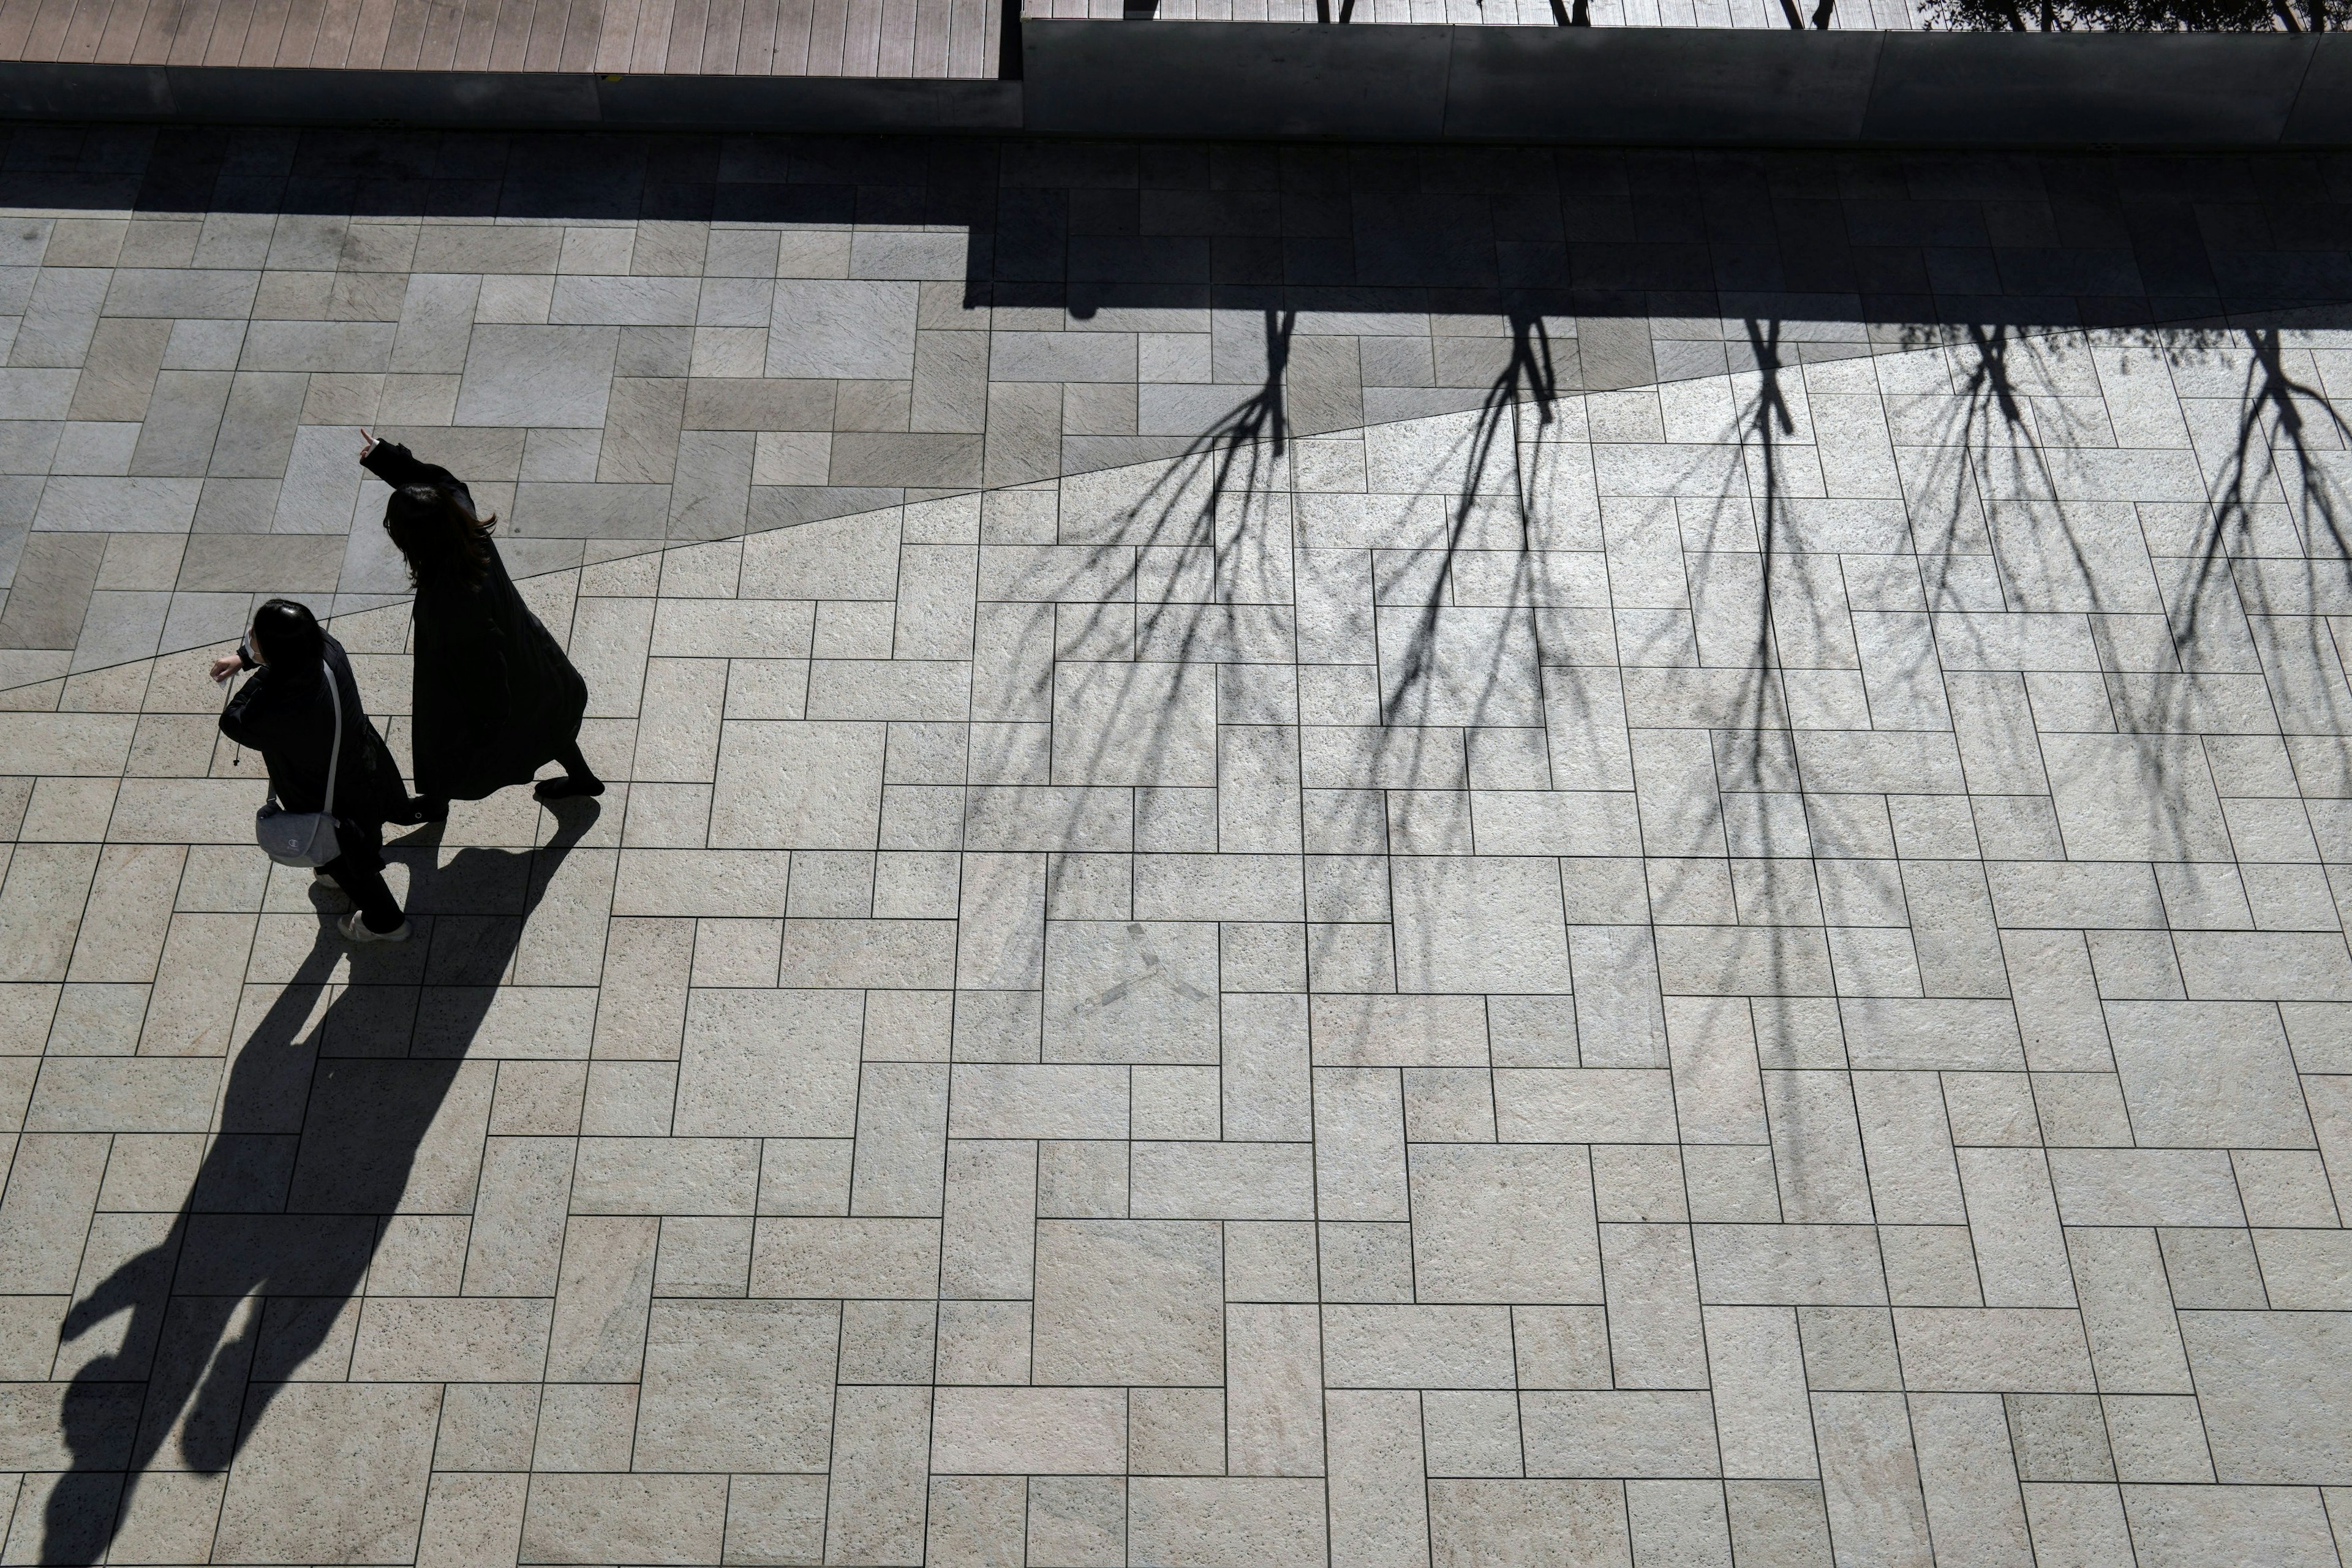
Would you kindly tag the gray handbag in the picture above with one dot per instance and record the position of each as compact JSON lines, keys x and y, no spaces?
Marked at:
{"x":305,"y":837}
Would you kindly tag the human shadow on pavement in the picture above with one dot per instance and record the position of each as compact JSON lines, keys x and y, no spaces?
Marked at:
{"x":326,"y":1111}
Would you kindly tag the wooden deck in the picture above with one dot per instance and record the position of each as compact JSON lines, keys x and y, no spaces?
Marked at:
{"x":923,"y":38}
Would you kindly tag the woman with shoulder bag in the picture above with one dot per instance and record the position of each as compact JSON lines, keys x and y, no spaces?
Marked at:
{"x":496,"y":699}
{"x":332,"y":781}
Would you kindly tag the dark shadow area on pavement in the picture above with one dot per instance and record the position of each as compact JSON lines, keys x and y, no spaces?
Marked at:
{"x":1898,"y":241}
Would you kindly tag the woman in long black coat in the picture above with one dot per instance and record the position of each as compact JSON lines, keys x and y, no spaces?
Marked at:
{"x":285,"y":713}
{"x":496,"y":701}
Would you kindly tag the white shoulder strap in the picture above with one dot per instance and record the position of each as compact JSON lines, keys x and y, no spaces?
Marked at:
{"x":335,"y":757}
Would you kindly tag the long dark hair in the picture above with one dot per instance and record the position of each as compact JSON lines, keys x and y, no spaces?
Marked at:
{"x":437,"y":533}
{"x":292,"y":640}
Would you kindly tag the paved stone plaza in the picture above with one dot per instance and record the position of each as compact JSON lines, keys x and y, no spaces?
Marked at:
{"x":1329,"y":856}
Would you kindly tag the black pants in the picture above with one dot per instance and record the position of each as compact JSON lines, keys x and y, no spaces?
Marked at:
{"x":436,"y":807}
{"x":358,"y":871}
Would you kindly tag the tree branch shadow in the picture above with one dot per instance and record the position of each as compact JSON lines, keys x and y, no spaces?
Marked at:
{"x":1217,"y":567}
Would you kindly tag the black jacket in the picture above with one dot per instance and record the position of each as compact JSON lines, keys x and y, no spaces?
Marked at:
{"x":495,"y":699}
{"x":287,"y":717}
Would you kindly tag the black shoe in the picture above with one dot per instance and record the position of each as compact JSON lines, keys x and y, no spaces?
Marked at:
{"x":567,"y":787}
{"x":425,"y":809}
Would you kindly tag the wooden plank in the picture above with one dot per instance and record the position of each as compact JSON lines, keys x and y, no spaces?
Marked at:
{"x":477,"y":26}
{"x":193,"y":31}
{"x":437,"y":49}
{"x":50,"y":23}
{"x":934,"y":22}
{"x":299,"y":35}
{"x":83,"y":30}
{"x":263,"y":33}
{"x":231,"y":23}
{"x":722,"y":32}
{"x":370,"y":32}
{"x":83,"y":33}
{"x":543,"y":51}
{"x":405,"y":37}
{"x":616,"y":34}
{"x":649,"y":51}
{"x":953,"y":11}
{"x":861,"y":38}
{"x":155,"y":31}
{"x":755,"y":52}
{"x":968,"y":55}
{"x":926,"y":40}
{"x":894,"y":52}
{"x":575,"y":45}
{"x":512,"y":38}
{"x":16,"y":19}
{"x":795,"y":37}
{"x":683,"y":52}
{"x":123,"y":21}
{"x":338,"y":23}
{"x":828,"y":24}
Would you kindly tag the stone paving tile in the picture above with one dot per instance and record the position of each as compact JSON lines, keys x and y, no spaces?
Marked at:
{"x":1748,"y":967}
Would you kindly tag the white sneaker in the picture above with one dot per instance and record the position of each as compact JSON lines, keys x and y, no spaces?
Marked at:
{"x":355,"y":928}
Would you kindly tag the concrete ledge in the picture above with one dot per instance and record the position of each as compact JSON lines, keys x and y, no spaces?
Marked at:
{"x":1248,"y":80}
{"x":503,"y":99}
{"x":2074,"y":89}
{"x":2322,"y":115}
{"x":1254,"y":80}
{"x":35,"y":90}
{"x":807,"y":103}
{"x":1697,"y":87}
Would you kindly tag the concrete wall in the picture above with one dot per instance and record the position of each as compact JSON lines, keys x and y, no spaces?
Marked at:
{"x":1286,"y":80}
{"x":535,"y":100}
{"x":1688,"y":86}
